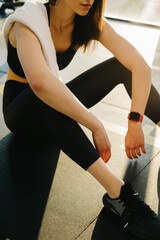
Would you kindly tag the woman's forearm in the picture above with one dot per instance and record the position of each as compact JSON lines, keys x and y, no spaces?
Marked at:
{"x":141,"y":83}
{"x":57,"y":95}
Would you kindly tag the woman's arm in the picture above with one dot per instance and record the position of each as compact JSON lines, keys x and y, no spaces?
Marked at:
{"x":50,"y":89}
{"x":44,"y":83}
{"x":127,"y":54}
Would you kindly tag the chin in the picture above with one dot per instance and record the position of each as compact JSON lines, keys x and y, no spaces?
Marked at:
{"x":82,"y":14}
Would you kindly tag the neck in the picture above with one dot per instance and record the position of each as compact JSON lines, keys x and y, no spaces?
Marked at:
{"x":61,"y":15}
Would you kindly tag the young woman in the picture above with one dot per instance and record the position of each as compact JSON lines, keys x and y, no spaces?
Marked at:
{"x":35,"y":99}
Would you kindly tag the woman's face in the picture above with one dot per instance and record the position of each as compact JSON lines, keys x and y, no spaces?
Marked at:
{"x":81,"y":7}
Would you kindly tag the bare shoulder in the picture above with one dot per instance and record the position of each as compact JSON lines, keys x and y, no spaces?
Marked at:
{"x":108,"y":32}
{"x":31,"y":56}
{"x":19,"y":30}
{"x":17,"y":26}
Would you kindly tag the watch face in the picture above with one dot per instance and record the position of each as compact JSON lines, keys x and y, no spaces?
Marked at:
{"x":134,"y":116}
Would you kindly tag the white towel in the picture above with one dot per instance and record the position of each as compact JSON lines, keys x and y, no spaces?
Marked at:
{"x":33,"y":14}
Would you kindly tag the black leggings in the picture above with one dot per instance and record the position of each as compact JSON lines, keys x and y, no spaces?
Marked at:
{"x":28,"y":117}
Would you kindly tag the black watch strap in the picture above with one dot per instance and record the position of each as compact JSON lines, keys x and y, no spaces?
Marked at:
{"x":134,"y":116}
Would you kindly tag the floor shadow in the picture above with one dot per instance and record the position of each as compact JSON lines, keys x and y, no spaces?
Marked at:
{"x":26,"y":172}
{"x":137,"y":171}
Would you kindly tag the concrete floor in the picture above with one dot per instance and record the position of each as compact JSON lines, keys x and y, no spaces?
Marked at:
{"x":75,"y":197}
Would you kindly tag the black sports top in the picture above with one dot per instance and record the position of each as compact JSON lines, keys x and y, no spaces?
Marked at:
{"x":63,"y":58}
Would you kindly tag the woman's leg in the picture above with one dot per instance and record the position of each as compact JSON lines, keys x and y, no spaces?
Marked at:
{"x":89,"y":89}
{"x":28,"y":116}
{"x":136,"y":216}
{"x":94,"y":84}
{"x":68,"y":135}
{"x":100,"y":171}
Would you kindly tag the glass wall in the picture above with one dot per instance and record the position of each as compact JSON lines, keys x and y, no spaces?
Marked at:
{"x":144,"y":11}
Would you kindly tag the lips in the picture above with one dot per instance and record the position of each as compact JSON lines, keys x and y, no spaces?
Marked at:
{"x":86,"y":5}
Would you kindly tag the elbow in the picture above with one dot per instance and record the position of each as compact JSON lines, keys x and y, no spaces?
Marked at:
{"x":36,"y":82}
{"x":42,"y":81}
{"x":143,"y":71}
{"x":138,"y":62}
{"x":142,"y":65}
{"x":147,"y":67}
{"x":36,"y":85}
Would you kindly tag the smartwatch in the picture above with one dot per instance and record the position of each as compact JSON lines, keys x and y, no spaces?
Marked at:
{"x":134,"y":116}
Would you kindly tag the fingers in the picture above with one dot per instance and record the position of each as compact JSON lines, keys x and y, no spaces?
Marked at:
{"x":138,"y":152}
{"x":143,"y":149}
{"x":128,"y":153}
{"x":135,"y":152}
{"x":107,"y":156}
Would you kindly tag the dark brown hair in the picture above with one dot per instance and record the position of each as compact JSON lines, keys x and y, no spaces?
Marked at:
{"x":87,"y":27}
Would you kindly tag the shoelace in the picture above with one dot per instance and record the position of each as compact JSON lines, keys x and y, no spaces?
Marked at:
{"x":138,"y":207}
{"x":127,"y":218}
{"x":135,"y":207}
{"x":143,"y":208}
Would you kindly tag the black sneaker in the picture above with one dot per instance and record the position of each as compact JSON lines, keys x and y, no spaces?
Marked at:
{"x":136,"y":216}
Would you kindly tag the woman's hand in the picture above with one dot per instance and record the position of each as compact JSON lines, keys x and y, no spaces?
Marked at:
{"x":102,"y":143}
{"x":134,"y":140}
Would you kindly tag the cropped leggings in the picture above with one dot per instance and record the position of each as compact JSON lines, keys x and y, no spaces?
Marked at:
{"x":27,"y":116}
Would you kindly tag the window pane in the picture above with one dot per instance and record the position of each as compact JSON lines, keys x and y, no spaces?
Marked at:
{"x":138,"y":10}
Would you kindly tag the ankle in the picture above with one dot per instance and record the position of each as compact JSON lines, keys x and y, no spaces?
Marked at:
{"x":115,"y":191}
